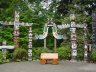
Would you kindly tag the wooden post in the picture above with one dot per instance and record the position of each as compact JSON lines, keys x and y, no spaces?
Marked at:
{"x":44,"y":42}
{"x":73,"y":45}
{"x":16,"y":29}
{"x":30,"y":44}
{"x":73,"y":36}
{"x":85,"y":43}
{"x":55,"y":42}
{"x":94,"y":31}
{"x":73,"y":40}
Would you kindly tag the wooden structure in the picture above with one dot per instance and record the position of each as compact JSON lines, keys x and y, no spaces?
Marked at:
{"x":73,"y":37}
{"x":30,"y":44}
{"x":50,"y":24}
{"x":16,"y":25}
{"x":45,"y":57}
{"x":16,"y":29}
{"x":94,"y":30}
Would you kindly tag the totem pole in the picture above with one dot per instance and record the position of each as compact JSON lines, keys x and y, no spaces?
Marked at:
{"x":85,"y":43}
{"x":73,"y":27}
{"x":30,"y":44}
{"x":16,"y":29}
{"x":45,"y":33}
{"x":16,"y":25}
{"x":73,"y":37}
{"x":94,"y":30}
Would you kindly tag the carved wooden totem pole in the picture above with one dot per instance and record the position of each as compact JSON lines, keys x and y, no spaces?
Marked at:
{"x":30,"y":44}
{"x":73,"y":37}
{"x":94,"y":30}
{"x":85,"y":42}
{"x":16,"y":29}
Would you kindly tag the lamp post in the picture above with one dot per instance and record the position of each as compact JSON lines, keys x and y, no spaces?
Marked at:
{"x":73,"y":36}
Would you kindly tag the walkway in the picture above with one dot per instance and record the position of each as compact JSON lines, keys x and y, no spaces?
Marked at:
{"x":34,"y":66}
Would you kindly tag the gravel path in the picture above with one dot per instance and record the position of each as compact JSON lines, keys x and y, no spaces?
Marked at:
{"x":34,"y":66}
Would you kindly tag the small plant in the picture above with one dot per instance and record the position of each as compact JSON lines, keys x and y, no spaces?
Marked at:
{"x":64,"y":53}
{"x":93,"y":56}
{"x":20,"y":54}
{"x":37,"y":52}
{"x":80,"y":53}
{"x":1,"y":57}
{"x":9,"y":56}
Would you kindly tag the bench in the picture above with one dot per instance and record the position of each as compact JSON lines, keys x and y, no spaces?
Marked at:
{"x":49,"y":56}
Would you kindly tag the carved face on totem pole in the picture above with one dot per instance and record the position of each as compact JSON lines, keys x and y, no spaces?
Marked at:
{"x":50,"y":23}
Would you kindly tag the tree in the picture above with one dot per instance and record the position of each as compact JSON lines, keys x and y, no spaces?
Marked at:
{"x":33,"y":11}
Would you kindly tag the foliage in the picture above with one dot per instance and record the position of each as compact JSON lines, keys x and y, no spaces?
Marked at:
{"x":9,"y":56}
{"x":20,"y":54}
{"x":38,"y":16}
{"x":23,"y":37}
{"x":64,"y":53}
{"x":93,"y":56}
{"x":2,"y":60}
{"x":59,"y":10}
{"x":80,"y":52}
{"x":1,"y":57}
{"x":36,"y":52}
{"x":7,"y":34}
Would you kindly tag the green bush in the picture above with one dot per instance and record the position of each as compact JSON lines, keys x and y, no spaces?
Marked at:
{"x":20,"y":54}
{"x":1,"y":57}
{"x":36,"y":52}
{"x":80,"y":53}
{"x":2,"y":60}
{"x":9,"y":56}
{"x":64,"y":53}
{"x":93,"y":56}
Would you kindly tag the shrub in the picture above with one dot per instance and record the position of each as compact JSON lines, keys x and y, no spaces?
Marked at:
{"x":1,"y":57}
{"x":80,"y":53}
{"x":93,"y":56}
{"x":20,"y":54}
{"x":64,"y":53}
{"x":9,"y":56}
{"x":36,"y":52}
